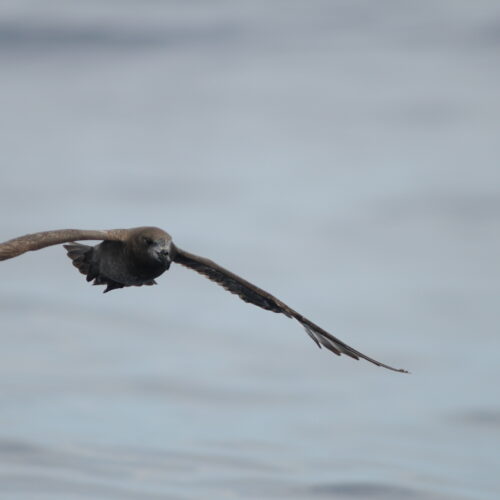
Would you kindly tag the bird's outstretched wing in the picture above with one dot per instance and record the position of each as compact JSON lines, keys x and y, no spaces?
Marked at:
{"x":254,"y":295}
{"x":36,"y":241}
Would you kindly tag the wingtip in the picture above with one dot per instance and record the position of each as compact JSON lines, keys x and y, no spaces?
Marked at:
{"x":398,"y":370}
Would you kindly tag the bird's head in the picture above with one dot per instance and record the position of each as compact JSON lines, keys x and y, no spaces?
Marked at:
{"x":154,"y":245}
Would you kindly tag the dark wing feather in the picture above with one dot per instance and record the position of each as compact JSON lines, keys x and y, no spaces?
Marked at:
{"x":254,"y":295}
{"x":36,"y":241}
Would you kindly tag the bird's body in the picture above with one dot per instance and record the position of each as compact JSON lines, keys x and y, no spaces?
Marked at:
{"x":135,"y":257}
{"x":138,"y":260}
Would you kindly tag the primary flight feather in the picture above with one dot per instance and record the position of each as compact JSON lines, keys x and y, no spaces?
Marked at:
{"x":135,"y":257}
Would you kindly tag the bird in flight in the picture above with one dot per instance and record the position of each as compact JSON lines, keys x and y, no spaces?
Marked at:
{"x":135,"y":257}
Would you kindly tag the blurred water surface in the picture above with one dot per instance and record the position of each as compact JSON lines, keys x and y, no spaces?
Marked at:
{"x":343,"y":155}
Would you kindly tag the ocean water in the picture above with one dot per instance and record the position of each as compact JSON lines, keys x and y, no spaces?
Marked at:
{"x":342,"y":155}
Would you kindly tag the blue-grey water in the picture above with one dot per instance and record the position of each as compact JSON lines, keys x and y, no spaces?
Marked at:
{"x":343,"y":155}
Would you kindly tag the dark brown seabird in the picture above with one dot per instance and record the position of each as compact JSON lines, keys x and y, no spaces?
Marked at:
{"x":135,"y":257}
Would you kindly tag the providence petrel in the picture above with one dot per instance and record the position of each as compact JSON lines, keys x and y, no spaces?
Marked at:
{"x":135,"y":257}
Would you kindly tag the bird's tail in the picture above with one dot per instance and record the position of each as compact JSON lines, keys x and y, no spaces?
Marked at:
{"x":81,"y":256}
{"x":83,"y":259}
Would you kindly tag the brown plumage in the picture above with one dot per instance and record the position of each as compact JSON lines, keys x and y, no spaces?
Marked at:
{"x":135,"y":257}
